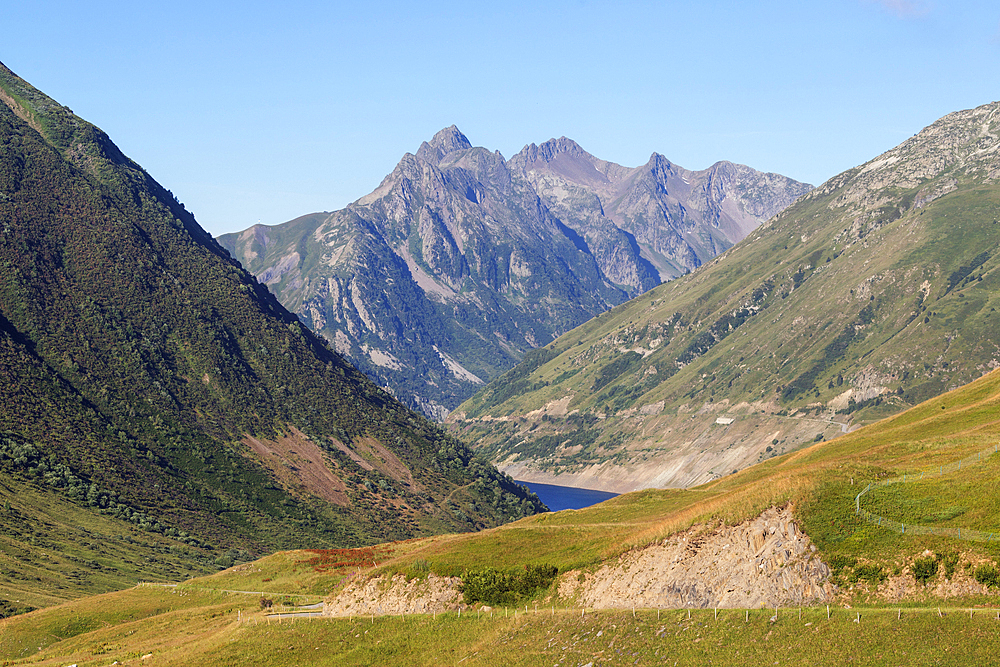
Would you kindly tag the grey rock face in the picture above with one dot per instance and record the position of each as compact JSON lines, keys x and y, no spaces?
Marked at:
{"x":460,"y":261}
{"x":654,"y":222}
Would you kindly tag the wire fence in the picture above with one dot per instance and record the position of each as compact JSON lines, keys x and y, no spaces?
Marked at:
{"x":916,"y":529}
{"x":703,"y":616}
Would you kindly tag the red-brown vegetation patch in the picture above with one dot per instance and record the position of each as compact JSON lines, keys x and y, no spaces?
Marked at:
{"x":325,"y":560}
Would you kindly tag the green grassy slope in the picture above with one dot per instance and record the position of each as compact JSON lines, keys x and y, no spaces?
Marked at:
{"x":820,"y":482}
{"x":52,"y":549}
{"x":216,"y":629}
{"x":874,"y":292}
{"x":201,"y":622}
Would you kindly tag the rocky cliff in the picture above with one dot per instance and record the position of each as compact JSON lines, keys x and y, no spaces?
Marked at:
{"x":652,"y":223}
{"x":461,"y":261}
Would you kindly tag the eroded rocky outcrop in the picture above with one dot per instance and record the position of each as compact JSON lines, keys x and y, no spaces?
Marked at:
{"x":767,"y":562}
{"x":764,"y":562}
{"x":383,"y":596}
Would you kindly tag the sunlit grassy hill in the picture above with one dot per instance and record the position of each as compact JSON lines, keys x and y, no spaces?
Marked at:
{"x":875,"y":291}
{"x":820,"y":481}
{"x":52,"y":550}
{"x":203,"y":621}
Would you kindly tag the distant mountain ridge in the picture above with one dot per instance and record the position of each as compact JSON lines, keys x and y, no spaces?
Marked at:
{"x":666,"y":219}
{"x":875,"y":291}
{"x":461,"y":261}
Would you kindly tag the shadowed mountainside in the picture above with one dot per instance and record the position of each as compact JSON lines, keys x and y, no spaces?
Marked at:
{"x":149,"y":378}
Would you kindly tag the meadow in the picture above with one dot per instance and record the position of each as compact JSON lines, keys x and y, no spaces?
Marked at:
{"x":161,"y":627}
{"x":223,"y":619}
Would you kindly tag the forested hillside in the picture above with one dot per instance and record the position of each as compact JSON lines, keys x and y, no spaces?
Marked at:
{"x":148,"y":377}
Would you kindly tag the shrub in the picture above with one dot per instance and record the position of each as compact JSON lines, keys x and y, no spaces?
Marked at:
{"x":950,"y":561}
{"x":501,"y":587}
{"x":987,"y":575}
{"x":846,"y":569}
{"x":924,"y":568}
{"x":839,"y":562}
{"x":537,"y":576}
{"x":873,"y":574}
{"x":489,"y":585}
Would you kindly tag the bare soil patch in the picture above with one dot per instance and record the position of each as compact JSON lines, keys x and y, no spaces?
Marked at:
{"x":300,"y":465}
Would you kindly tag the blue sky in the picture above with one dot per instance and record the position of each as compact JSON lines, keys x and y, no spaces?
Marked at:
{"x":259,"y":111}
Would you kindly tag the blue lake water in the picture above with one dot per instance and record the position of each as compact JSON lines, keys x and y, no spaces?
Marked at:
{"x":566,"y":497}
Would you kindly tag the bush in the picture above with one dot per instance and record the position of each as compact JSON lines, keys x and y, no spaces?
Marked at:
{"x":873,"y":574}
{"x":537,"y":576}
{"x":950,"y":561}
{"x":924,"y":568}
{"x":501,"y":587}
{"x":839,"y":562}
{"x":988,"y":576}
{"x":489,"y":585}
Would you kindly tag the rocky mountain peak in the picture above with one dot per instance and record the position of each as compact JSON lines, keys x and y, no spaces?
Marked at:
{"x":565,"y":158}
{"x":552,"y":148}
{"x":660,"y":166}
{"x":448,"y":140}
{"x":460,"y":262}
{"x":725,"y":169}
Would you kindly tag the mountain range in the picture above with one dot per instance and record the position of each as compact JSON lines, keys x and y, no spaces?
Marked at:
{"x":164,"y":415}
{"x":149,"y":379}
{"x":873,"y":292}
{"x":461,"y":261}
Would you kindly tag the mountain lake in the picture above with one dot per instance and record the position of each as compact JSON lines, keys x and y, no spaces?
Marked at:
{"x":566,"y":497}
